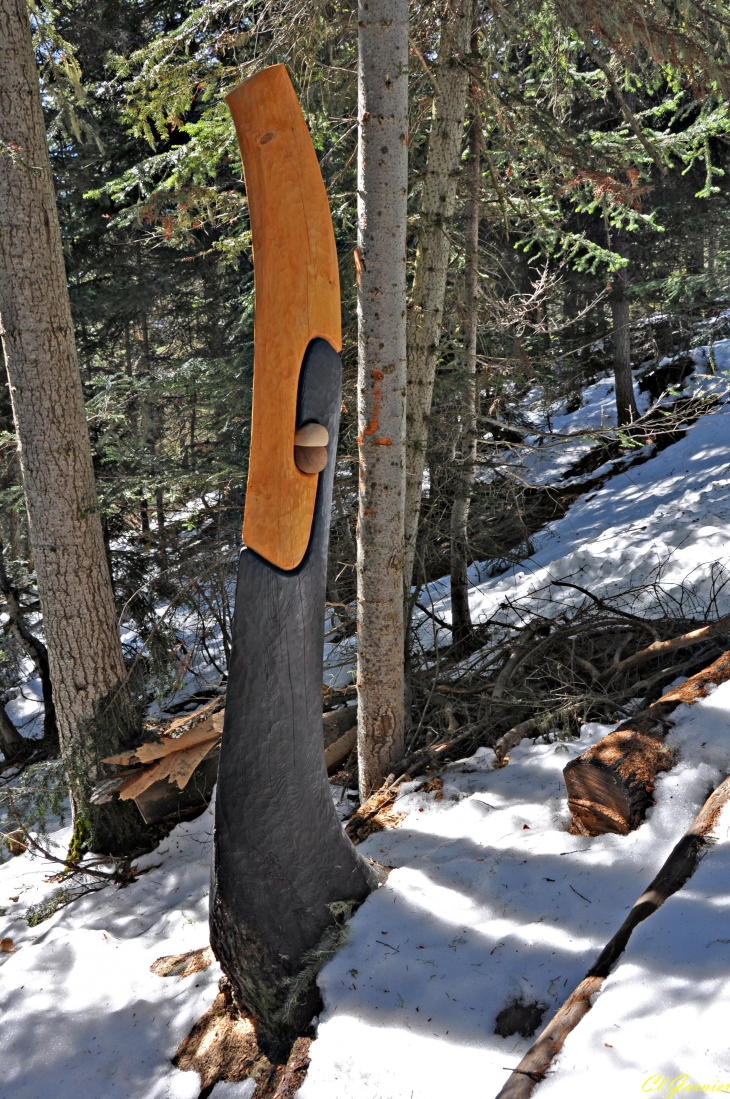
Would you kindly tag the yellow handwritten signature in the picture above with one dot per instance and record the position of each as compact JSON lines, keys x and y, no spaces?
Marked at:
{"x":681,"y":1084}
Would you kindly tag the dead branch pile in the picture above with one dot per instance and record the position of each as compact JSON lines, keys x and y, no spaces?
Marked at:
{"x":560,"y":657}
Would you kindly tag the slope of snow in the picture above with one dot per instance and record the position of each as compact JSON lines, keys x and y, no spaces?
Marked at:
{"x":491,"y":901}
{"x":662,"y":1014}
{"x":490,"y":898}
{"x":667,"y":520}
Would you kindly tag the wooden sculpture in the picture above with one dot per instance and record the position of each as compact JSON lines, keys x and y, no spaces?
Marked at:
{"x":281,"y":856}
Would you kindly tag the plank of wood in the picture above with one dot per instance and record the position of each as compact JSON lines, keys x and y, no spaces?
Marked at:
{"x":206,"y":731}
{"x":611,"y":785}
{"x":297,"y":301}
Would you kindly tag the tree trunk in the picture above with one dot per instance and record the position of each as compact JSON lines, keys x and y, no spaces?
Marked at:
{"x":12,"y":745}
{"x":282,"y":859}
{"x":94,"y":708}
{"x":32,"y":647}
{"x":460,"y":617}
{"x":381,"y":305}
{"x":438,"y":197}
{"x":626,"y":409}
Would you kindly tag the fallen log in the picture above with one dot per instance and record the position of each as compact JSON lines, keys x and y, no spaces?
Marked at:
{"x":611,"y":785}
{"x":675,"y":872}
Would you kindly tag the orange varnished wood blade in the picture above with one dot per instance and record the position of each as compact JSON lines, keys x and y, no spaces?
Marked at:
{"x":297,"y":300}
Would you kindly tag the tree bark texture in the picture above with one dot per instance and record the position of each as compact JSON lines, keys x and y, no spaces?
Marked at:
{"x":460,"y":617}
{"x":381,"y":303}
{"x":94,"y":710}
{"x":626,"y":409}
{"x":438,"y":198}
{"x":281,"y":855}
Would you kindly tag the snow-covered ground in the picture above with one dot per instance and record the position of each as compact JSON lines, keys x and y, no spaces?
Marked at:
{"x":82,"y":1015}
{"x":490,"y":899}
{"x":667,"y":519}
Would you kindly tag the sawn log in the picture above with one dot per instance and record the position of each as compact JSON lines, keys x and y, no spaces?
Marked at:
{"x":611,"y":785}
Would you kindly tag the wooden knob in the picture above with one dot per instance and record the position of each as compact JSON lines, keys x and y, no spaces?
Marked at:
{"x":314,"y":435}
{"x":310,"y":459}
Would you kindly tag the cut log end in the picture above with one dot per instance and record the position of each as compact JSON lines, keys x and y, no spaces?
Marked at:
{"x":611,"y":786}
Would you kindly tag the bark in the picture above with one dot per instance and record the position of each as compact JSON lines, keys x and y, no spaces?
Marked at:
{"x":32,"y":647}
{"x":434,"y":245}
{"x":94,"y":708}
{"x":381,"y":266}
{"x":626,"y":409}
{"x":460,"y":617}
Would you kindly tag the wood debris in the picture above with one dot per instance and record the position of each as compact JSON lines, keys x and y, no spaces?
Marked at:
{"x":183,"y":965}
{"x":173,"y":756}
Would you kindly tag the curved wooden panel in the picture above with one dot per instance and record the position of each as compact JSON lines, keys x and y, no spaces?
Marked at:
{"x":297,"y":300}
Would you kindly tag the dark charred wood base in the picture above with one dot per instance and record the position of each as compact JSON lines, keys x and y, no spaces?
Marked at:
{"x":281,"y":855}
{"x":611,"y":786}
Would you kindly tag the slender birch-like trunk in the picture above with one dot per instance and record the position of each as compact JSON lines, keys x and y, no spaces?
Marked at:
{"x":438,"y":198}
{"x":94,"y":708}
{"x":381,"y":267}
{"x":460,"y":617}
{"x":626,"y":409}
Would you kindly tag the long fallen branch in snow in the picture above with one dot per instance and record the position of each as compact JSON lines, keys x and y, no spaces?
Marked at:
{"x":675,"y":872}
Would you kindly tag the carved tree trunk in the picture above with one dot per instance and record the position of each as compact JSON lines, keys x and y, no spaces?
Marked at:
{"x":438,"y":197}
{"x":284,"y":869}
{"x":381,"y":263}
{"x":460,"y":617}
{"x":94,"y":708}
{"x":282,"y":858}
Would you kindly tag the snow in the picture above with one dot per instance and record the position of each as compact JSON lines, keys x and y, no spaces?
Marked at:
{"x":668,"y":520}
{"x":489,"y":900}
{"x":82,"y":1013}
{"x":492,"y":900}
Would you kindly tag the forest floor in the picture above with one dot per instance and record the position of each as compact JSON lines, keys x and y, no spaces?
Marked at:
{"x":491,"y":902}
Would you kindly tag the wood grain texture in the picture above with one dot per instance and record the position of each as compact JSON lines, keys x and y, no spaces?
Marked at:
{"x":297,"y":300}
{"x":281,"y":856}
